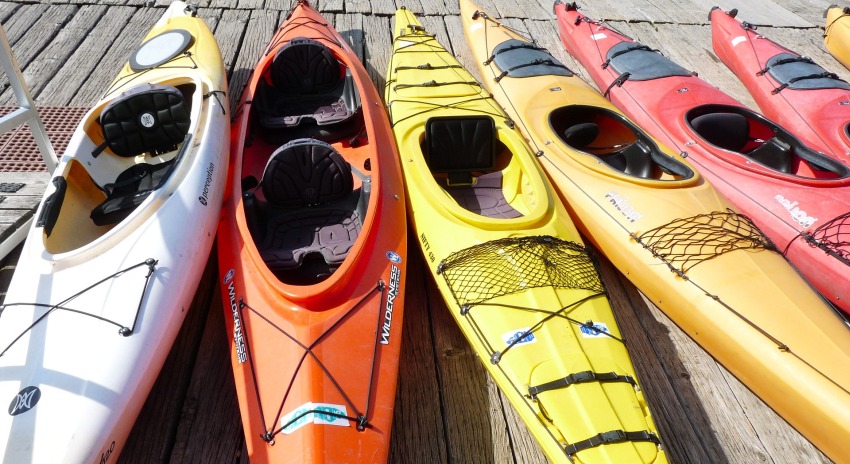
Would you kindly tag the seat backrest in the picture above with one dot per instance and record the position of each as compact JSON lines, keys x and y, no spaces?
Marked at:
{"x":460,"y":145}
{"x":580,"y":136}
{"x":146,"y":118}
{"x":306,"y":172}
{"x":305,"y":66}
{"x":729,"y":131}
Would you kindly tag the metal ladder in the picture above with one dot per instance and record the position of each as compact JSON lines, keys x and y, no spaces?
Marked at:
{"x":26,"y":113}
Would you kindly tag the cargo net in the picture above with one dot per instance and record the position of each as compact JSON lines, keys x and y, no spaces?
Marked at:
{"x":684,"y":243}
{"x":833,"y":237}
{"x":502,"y":267}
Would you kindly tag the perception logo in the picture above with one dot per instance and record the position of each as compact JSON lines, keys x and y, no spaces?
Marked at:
{"x":25,"y":400}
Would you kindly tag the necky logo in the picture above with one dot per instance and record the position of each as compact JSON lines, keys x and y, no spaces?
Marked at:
{"x":25,"y":400}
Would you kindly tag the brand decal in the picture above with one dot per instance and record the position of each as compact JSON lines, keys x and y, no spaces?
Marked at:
{"x":739,"y":39}
{"x":797,"y":214}
{"x":622,"y":204}
{"x":394,"y":257}
{"x":594,"y":329}
{"x":229,"y":276}
{"x":314,"y":413}
{"x":519,"y":337}
{"x":207,"y":182}
{"x":25,"y":400}
{"x":238,"y":340}
{"x":147,"y":120}
{"x":395,"y":278}
{"x":598,"y":36}
{"x":105,"y":456}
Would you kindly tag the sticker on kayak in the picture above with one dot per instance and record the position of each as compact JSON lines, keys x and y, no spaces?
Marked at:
{"x":519,"y":337}
{"x":597,"y":329}
{"x":739,"y":39}
{"x":395,"y":279}
{"x":229,"y":276}
{"x":394,"y":257}
{"x":622,"y":204}
{"x":598,"y":36}
{"x":314,"y":413}
{"x":25,"y":400}
{"x":797,"y":214}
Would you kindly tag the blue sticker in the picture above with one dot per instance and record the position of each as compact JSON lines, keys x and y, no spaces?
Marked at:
{"x":394,"y":257}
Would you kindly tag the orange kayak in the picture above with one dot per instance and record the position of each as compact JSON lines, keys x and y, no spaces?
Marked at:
{"x":312,"y":249}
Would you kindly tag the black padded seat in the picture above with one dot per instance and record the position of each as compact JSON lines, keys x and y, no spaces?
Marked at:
{"x":460,"y":145}
{"x":800,"y":73}
{"x":774,"y":154}
{"x":634,"y":160}
{"x":314,"y":207}
{"x":145,"y":119}
{"x":307,"y":93}
{"x":729,"y":131}
{"x":641,"y":62}
{"x":580,"y":136}
{"x":485,"y":197}
{"x":517,"y":58}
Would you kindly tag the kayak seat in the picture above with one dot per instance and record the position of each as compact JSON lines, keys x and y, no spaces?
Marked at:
{"x":581,"y":135}
{"x":464,"y":147}
{"x":641,"y":62}
{"x":150,"y":119}
{"x":307,"y":92}
{"x":635,"y":159}
{"x":312,"y":206}
{"x":729,"y":131}
{"x":798,"y":72}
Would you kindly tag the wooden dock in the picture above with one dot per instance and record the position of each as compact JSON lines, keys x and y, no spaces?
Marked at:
{"x":447,"y":410}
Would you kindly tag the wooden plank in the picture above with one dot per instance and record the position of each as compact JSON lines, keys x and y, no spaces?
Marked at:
{"x":377,"y":49}
{"x":515,"y":9}
{"x":383,"y":7}
{"x":250,"y":4}
{"x":418,"y":434}
{"x":358,"y":6}
{"x":115,"y":57}
{"x":456,"y":43}
{"x":6,"y":11}
{"x":225,"y":4}
{"x":332,"y":6}
{"x":23,"y":202}
{"x":210,"y":423}
{"x":760,"y":12}
{"x":44,"y":66}
{"x":279,"y":5}
{"x":350,"y":27}
{"x":78,"y":67}
{"x":415,"y":6}
{"x":261,"y":27}
{"x":21,"y":21}
{"x":34,"y":182}
{"x":524,"y":447}
{"x":210,"y":17}
{"x":229,"y":33}
{"x":152,"y":437}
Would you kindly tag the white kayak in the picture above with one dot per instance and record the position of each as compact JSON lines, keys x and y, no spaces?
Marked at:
{"x":111,"y":265}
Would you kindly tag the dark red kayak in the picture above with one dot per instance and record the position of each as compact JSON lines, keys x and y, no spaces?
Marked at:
{"x":798,"y":196}
{"x":806,"y":99}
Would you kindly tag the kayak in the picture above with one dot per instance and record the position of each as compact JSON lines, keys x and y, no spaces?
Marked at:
{"x":312,"y":251}
{"x":792,"y":90}
{"x":120,"y":242}
{"x":799,"y":197}
{"x":745,"y":304}
{"x":509,"y":263}
{"x":836,"y":33}
{"x":811,"y":103}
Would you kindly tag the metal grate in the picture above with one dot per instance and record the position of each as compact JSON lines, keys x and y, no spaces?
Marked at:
{"x":18,"y":151}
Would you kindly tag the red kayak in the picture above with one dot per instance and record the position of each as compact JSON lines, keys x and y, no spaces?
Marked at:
{"x":799,"y":197}
{"x":312,"y":247}
{"x":809,"y":101}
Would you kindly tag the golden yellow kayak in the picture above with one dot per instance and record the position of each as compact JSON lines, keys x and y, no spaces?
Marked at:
{"x":836,"y":36}
{"x":509,"y":262}
{"x":708,"y":268}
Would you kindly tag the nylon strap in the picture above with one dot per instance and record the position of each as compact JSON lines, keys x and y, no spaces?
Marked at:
{"x":796,"y":59}
{"x":427,"y":66}
{"x":514,"y":47}
{"x":618,"y":82}
{"x":525,"y":65}
{"x":614,"y":436}
{"x":640,"y":47}
{"x":823,"y":75}
{"x":436,"y":84}
{"x":580,"y":377}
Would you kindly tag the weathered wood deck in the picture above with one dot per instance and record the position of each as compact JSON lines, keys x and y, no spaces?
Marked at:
{"x":447,"y":410}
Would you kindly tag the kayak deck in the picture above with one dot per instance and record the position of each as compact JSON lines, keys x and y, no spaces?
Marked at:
{"x":446,"y":410}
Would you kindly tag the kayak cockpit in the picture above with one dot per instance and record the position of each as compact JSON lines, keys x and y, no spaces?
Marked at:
{"x":306,"y":166}
{"x":471,"y":164}
{"x":615,"y":141}
{"x":129,"y":149}
{"x":760,"y":141}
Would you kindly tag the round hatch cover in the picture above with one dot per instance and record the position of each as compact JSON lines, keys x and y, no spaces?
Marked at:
{"x":160,"y":49}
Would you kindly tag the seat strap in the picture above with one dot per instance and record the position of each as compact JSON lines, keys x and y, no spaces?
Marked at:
{"x":823,"y":75}
{"x":613,"y":436}
{"x":580,"y":377}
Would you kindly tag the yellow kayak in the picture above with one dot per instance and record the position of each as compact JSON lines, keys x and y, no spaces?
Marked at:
{"x":836,"y":36}
{"x":708,"y":268}
{"x":509,"y":262}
